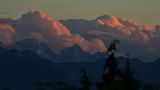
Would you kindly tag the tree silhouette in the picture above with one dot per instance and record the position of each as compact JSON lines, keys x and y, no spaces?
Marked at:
{"x":128,"y":76}
{"x":112,"y":47}
{"x":110,"y":68}
{"x":85,"y":81}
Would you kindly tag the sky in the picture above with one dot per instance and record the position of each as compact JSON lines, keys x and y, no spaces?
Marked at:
{"x":143,"y":11}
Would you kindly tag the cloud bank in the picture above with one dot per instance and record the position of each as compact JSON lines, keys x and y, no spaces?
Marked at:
{"x":126,"y":28}
{"x":38,"y":25}
{"x":141,"y":41}
{"x":92,"y":36}
{"x":6,"y":34}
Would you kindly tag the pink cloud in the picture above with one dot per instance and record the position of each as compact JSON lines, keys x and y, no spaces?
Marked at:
{"x":109,"y":21}
{"x":149,"y":28}
{"x":38,"y":25}
{"x":6,"y":34}
{"x":128,"y":29}
{"x":92,"y":46}
{"x":141,"y":39}
{"x":7,"y":28}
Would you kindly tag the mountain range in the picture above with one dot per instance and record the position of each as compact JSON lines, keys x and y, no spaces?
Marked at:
{"x":22,"y":69}
{"x":36,"y":47}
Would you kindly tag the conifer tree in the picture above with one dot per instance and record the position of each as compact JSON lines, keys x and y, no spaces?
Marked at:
{"x":110,"y":68}
{"x":128,"y":76}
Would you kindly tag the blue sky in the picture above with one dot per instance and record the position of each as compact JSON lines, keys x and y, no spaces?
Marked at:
{"x":143,"y":11}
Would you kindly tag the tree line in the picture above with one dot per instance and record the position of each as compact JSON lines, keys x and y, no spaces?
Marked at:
{"x":112,"y":78}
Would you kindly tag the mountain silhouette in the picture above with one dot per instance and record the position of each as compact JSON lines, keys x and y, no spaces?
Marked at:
{"x":20,"y":70}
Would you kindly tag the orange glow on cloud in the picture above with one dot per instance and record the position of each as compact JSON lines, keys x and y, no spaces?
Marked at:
{"x":6,"y":28}
{"x":148,"y":28}
{"x":93,"y":46}
{"x":109,"y":21}
{"x":38,"y":25}
{"x":57,"y":36}
{"x":6,"y":34}
{"x":126,"y":28}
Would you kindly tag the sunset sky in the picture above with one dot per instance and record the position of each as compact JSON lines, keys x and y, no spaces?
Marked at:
{"x":143,"y":11}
